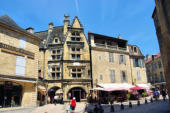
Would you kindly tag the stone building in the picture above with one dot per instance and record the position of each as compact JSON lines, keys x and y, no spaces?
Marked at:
{"x":162,"y":25}
{"x":19,"y":52}
{"x":65,"y":60}
{"x":155,"y":71}
{"x":115,"y":61}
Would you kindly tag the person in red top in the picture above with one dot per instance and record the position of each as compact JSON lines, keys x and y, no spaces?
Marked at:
{"x":73,"y":104}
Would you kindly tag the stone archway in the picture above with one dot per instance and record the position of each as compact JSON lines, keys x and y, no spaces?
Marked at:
{"x":77,"y":92}
{"x":51,"y":93}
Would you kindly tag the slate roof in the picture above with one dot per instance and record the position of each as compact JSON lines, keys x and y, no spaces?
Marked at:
{"x":57,"y":31}
{"x":5,"y":19}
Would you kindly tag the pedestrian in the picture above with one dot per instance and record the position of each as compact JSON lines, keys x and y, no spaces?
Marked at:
{"x":55,"y":99}
{"x":163,"y":94}
{"x":95,"y":110}
{"x":156,"y":94}
{"x":73,"y":104}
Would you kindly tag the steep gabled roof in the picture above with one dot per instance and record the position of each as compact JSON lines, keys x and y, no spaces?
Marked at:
{"x":6,"y":20}
{"x":57,"y":31}
{"x":78,"y":21}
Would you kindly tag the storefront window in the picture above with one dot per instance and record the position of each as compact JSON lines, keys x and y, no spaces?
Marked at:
{"x":10,"y":94}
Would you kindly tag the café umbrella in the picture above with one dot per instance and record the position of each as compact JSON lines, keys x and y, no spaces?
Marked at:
{"x":137,"y":88}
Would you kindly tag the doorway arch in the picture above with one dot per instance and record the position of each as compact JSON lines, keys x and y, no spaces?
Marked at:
{"x":51,"y":93}
{"x":77,"y":92}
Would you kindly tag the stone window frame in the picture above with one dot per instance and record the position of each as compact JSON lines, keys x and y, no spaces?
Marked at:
{"x":77,"y":72}
{"x":55,"y":55}
{"x":124,"y":77}
{"x":76,"y":56}
{"x":111,"y":57}
{"x":55,"y":73}
{"x":122,"y":59}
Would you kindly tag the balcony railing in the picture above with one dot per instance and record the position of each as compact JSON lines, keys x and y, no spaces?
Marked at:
{"x":114,"y":47}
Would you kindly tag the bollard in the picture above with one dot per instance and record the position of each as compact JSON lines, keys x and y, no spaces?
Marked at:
{"x":130,"y":104}
{"x":138,"y":103}
{"x":151,"y":100}
{"x":112,"y":109}
{"x":121,"y":106}
{"x":146,"y":101}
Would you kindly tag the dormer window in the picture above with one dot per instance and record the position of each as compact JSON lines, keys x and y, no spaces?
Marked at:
{"x":56,"y":41}
{"x":135,"y":50}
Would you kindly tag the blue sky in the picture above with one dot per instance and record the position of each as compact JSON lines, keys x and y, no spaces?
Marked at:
{"x":130,"y":18}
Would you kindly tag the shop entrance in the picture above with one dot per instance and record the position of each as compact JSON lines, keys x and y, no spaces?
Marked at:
{"x":78,"y":93}
{"x":10,"y":94}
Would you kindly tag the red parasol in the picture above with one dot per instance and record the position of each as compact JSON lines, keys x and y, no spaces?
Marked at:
{"x":137,"y":88}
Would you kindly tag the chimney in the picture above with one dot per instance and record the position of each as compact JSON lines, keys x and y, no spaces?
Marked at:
{"x":119,"y":36}
{"x":50,"y":27}
{"x":66,"y":23}
{"x":30,"y":30}
{"x":147,"y":56}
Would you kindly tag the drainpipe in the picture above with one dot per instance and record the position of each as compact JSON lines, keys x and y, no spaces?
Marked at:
{"x":90,"y":61}
{"x":131,"y":70}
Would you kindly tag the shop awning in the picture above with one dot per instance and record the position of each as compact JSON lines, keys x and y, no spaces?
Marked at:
{"x":137,"y":88}
{"x":146,"y":86}
{"x":115,"y":87}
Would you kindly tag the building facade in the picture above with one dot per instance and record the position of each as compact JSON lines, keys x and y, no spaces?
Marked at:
{"x":162,"y":25}
{"x":155,"y":71}
{"x":19,"y":52}
{"x":114,"y":61}
{"x":65,"y":60}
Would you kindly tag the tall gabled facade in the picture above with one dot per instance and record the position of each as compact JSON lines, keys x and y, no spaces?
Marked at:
{"x":65,"y":60}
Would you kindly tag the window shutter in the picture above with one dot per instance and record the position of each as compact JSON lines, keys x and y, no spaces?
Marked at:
{"x":126,"y":77}
{"x":134,"y":63}
{"x":20,"y":65}
{"x":121,"y":75}
{"x":112,"y":76}
{"x":138,"y":75}
{"x":22,"y":42}
{"x":124,"y":59}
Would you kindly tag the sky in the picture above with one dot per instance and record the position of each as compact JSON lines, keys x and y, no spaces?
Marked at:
{"x":132,"y":19}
